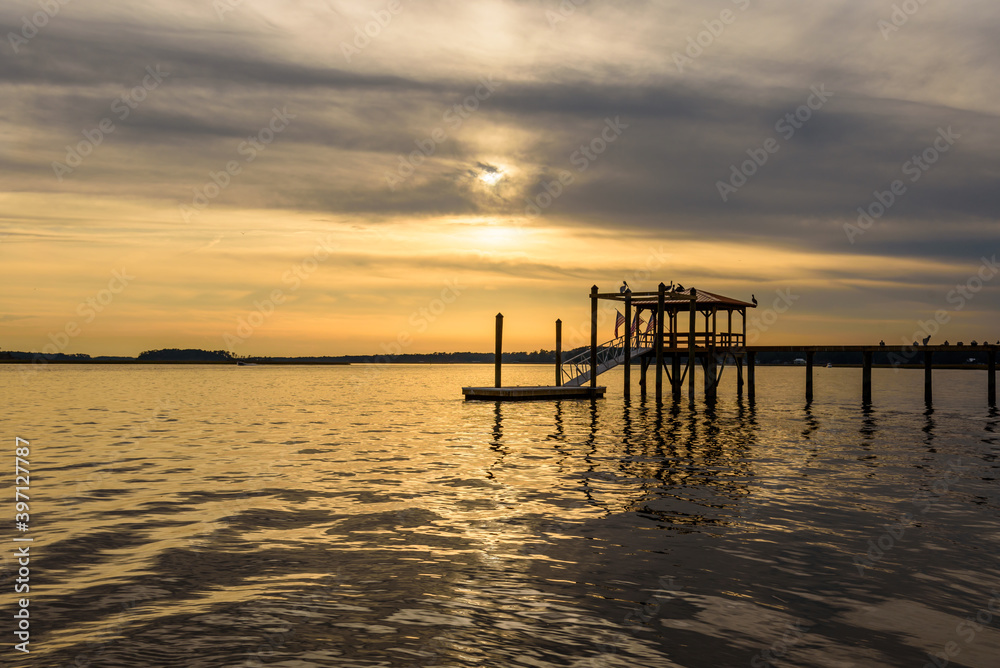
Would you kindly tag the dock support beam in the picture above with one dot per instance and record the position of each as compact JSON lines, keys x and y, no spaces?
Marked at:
{"x":661,"y":294}
{"x":809,"y":377}
{"x":751,"y":376}
{"x":866,"y":378}
{"x":928,"y":385}
{"x":558,"y":353}
{"x":593,"y":336}
{"x":626,"y":390}
{"x":690,"y":371}
{"x":991,"y":382}
{"x":498,"y":358}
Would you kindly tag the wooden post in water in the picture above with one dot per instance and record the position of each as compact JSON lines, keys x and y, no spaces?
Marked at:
{"x":809,"y":377}
{"x":661,"y":294}
{"x":499,"y":353}
{"x":626,"y":389}
{"x":751,"y":380}
{"x":991,"y":381}
{"x":928,"y":385}
{"x":693,"y":324}
{"x":593,"y":336}
{"x":739,"y":374}
{"x":558,"y":353}
{"x":866,"y":378}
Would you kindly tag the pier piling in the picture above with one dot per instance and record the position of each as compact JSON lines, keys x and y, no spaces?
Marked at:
{"x":809,"y":376}
{"x":866,"y":378}
{"x":991,"y":382}
{"x":498,"y":357}
{"x":751,"y":379}
{"x":558,"y":353}
{"x":627,"y":388}
{"x":928,"y":384}
{"x":661,"y":292}
{"x":593,"y":336}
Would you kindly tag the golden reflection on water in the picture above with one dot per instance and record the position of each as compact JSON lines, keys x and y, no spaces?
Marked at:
{"x":213,"y":507}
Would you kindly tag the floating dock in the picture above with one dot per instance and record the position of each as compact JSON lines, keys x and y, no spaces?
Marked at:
{"x":527,"y":393}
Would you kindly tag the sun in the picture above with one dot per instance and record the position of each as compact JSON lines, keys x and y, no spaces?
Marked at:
{"x":491,"y":176}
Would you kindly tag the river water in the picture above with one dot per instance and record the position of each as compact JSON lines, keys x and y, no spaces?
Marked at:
{"x":367,"y":516}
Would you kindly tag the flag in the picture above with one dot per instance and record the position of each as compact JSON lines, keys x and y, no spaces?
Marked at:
{"x":636,"y":323}
{"x":652,"y":324}
{"x":619,"y":321}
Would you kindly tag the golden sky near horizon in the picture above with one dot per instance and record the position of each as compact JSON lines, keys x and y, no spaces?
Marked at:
{"x":270,"y":179}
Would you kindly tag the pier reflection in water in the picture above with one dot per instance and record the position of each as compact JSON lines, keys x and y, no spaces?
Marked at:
{"x":290,"y":518}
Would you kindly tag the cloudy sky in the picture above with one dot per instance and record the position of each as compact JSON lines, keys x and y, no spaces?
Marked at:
{"x":334,"y":177}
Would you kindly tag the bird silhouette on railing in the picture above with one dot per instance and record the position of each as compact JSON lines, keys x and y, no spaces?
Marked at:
{"x":624,"y":288}
{"x":926,"y":339}
{"x":679,"y":288}
{"x":753,"y":298}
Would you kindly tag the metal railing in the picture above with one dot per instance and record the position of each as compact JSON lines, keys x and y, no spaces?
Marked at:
{"x":576,"y":370}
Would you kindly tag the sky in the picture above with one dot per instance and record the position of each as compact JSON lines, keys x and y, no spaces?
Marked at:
{"x":327,"y":177}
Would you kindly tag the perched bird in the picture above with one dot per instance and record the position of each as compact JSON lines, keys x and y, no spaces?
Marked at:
{"x":974,"y":342}
{"x":882,"y":344}
{"x":753,"y":299}
{"x":624,"y":288}
{"x":915,"y":344}
{"x":679,"y":288}
{"x":945,"y":343}
{"x":670,"y":288}
{"x":959,"y":344}
{"x":926,"y":339}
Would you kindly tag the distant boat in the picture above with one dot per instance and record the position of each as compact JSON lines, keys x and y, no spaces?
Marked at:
{"x":799,"y":362}
{"x":245,"y":364}
{"x":829,"y":365}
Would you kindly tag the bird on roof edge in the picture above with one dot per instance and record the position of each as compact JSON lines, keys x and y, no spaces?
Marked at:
{"x":753,"y":299}
{"x":926,"y":339}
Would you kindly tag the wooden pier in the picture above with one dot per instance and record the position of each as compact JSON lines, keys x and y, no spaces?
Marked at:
{"x":674,"y":348}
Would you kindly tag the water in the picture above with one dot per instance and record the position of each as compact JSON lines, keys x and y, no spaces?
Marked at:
{"x":367,"y":516}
